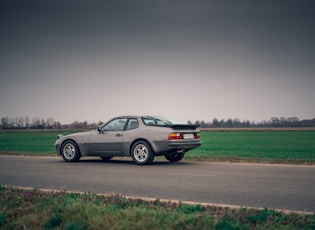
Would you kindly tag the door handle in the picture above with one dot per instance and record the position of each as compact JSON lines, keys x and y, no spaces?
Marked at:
{"x":118,"y":135}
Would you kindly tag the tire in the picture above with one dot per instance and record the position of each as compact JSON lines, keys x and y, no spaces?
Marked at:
{"x":175,"y":157}
{"x":142,"y":153}
{"x":70,"y":151}
{"x":106,"y":158}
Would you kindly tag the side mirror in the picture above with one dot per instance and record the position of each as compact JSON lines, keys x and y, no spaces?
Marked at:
{"x":99,"y":130}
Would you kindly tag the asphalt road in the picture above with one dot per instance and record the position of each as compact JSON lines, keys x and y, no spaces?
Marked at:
{"x":286,"y":187}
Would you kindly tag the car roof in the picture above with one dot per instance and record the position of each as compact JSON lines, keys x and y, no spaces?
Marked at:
{"x":136,"y":116}
{"x":127,"y":116}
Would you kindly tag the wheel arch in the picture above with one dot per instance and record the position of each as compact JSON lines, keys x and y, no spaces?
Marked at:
{"x":69,"y":139}
{"x":141,"y":139}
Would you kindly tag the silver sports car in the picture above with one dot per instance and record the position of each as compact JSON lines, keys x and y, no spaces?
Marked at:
{"x":141,"y":137}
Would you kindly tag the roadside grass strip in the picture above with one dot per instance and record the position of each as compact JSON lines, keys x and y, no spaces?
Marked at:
{"x":27,"y":208}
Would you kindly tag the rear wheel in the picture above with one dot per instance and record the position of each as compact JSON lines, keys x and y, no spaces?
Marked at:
{"x":175,"y":157}
{"x":142,"y":153}
{"x":70,"y":151}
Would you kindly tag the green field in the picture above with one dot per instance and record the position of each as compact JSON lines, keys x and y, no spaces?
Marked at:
{"x":254,"y":146}
{"x":28,"y":142}
{"x":258,"y":146}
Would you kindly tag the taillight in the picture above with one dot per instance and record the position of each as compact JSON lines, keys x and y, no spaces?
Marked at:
{"x":175,"y":136}
{"x":197,"y":135}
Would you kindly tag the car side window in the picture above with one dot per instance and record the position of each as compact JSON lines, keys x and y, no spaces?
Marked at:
{"x":132,"y":124}
{"x":115,"y":125}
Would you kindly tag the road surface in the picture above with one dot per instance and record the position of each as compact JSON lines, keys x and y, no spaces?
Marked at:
{"x":286,"y":187}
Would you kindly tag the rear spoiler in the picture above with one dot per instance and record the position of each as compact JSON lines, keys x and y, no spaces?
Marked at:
{"x":182,"y":127}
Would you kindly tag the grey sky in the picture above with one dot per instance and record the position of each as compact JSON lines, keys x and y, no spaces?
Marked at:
{"x":189,"y":60}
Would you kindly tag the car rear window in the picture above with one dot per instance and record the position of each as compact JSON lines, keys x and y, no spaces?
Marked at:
{"x":155,"y":121}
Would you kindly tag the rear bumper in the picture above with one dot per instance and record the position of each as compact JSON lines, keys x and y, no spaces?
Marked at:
{"x":176,"y":146}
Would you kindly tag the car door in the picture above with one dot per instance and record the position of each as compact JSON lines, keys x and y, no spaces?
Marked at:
{"x":108,"y":139}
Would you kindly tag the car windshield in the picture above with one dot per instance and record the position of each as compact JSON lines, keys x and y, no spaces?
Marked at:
{"x":159,"y":121}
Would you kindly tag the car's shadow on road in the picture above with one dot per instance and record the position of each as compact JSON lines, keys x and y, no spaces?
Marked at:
{"x":127,"y":161}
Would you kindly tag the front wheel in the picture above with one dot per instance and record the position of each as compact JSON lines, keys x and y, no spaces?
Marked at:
{"x":70,"y":151}
{"x":175,"y":157}
{"x":142,"y":153}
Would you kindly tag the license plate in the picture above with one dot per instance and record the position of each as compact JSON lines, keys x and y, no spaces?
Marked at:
{"x":188,"y":136}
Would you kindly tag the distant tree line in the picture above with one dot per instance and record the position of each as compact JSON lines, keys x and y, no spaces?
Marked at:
{"x":25,"y":122}
{"x":273,"y":122}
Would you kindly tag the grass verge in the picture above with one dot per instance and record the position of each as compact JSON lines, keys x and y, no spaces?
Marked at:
{"x":34,"y":209}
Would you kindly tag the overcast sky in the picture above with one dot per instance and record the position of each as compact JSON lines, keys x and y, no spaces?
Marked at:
{"x":188,"y":60}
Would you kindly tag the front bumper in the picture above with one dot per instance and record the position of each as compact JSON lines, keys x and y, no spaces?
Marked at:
{"x":57,"y":147}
